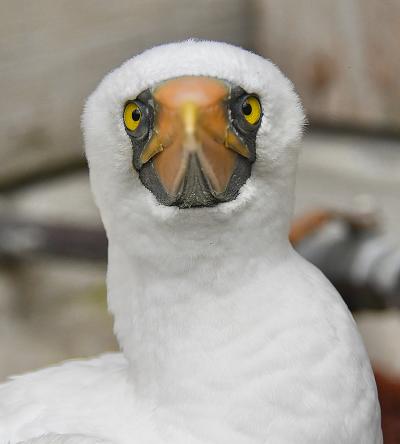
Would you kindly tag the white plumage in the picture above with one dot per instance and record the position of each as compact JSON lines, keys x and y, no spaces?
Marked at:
{"x":228,"y":336}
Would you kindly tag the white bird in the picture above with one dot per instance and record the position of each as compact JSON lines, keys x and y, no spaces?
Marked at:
{"x":227,"y":335}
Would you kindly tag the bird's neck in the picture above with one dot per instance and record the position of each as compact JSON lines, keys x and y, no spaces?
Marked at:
{"x":177,"y":306}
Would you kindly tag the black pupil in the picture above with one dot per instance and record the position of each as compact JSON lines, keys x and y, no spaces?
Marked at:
{"x":246,"y":108}
{"x":136,"y":115}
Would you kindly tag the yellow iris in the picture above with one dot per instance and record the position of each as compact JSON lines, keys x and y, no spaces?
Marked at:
{"x":132,"y":116}
{"x":251,"y":110}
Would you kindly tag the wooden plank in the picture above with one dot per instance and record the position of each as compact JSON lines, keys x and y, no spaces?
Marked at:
{"x":342,"y":56}
{"x":54,"y":53}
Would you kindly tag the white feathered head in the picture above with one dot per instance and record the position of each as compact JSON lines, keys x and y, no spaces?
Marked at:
{"x":189,"y":135}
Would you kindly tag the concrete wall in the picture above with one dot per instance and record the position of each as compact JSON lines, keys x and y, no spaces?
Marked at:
{"x":343,"y":56}
{"x":53,"y":54}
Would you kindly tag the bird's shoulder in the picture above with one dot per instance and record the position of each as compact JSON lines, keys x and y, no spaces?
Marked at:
{"x":65,"y":397}
{"x":337,"y":362}
{"x":318,"y":309}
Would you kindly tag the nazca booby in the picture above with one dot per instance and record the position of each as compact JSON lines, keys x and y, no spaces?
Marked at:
{"x":227,"y":335}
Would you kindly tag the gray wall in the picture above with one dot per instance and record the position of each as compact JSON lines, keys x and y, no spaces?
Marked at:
{"x":53,"y":54}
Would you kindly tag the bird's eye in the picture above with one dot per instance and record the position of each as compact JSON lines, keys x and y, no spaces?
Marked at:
{"x":132,"y":116}
{"x":251,"y":110}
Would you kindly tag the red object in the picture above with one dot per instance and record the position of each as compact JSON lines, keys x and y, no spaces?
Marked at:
{"x":389,"y":397}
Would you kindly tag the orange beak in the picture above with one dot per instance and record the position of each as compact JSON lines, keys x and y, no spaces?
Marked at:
{"x":192,"y":133}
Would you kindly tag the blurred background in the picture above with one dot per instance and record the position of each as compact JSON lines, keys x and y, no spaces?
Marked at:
{"x":343,"y":59}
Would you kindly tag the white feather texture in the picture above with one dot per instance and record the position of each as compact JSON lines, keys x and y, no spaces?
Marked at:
{"x":52,"y":438}
{"x":228,"y":336}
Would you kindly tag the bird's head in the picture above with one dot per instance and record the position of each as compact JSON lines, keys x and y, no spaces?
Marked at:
{"x":193,"y":139}
{"x":191,"y":132}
